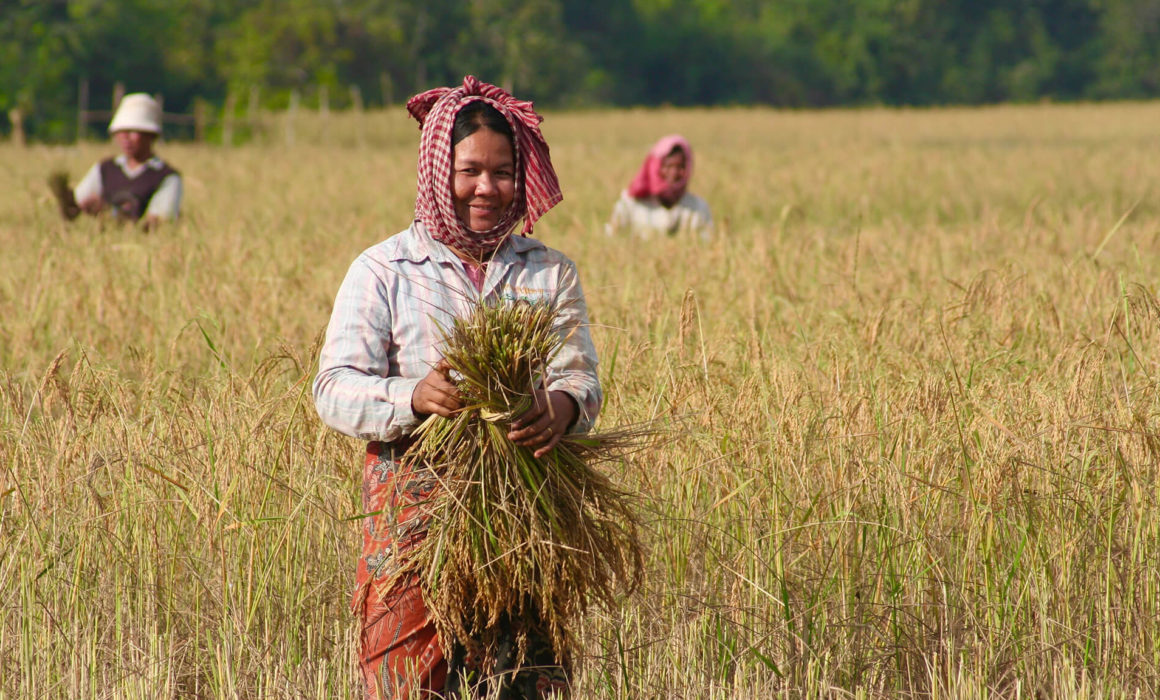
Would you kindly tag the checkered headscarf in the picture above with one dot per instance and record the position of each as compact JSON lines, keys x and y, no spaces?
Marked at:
{"x":537,"y":189}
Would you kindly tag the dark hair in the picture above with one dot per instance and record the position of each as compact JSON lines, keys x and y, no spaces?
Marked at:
{"x":677,"y":149}
{"x":479,"y":114}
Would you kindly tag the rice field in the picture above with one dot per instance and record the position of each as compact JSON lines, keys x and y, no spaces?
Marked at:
{"x":910,"y":390}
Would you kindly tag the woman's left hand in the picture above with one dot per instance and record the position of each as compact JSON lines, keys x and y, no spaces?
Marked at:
{"x":542,"y":425}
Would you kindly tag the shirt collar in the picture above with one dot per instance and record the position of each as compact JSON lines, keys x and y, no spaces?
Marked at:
{"x":418,"y":245}
{"x":122,"y":160}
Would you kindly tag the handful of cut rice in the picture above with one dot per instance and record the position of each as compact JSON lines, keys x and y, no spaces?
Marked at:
{"x":529,"y":541}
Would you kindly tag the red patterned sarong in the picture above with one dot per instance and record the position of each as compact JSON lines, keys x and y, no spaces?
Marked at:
{"x":399,"y":648}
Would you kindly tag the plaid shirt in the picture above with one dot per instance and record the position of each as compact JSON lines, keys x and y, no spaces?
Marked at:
{"x":384,"y":332}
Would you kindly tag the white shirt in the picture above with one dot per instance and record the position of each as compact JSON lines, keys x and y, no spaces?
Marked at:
{"x":166,"y":201}
{"x":647,"y":217}
{"x":384,"y":335}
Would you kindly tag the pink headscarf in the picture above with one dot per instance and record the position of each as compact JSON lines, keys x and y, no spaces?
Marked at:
{"x":537,"y":188}
{"x":648,"y":181}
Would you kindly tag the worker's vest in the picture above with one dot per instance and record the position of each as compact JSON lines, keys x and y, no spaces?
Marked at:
{"x":129,"y":196}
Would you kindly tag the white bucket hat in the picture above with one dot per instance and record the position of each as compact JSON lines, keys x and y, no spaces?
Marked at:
{"x":137,"y":112}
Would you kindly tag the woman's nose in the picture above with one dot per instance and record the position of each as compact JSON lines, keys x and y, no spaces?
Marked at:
{"x":485,"y":184}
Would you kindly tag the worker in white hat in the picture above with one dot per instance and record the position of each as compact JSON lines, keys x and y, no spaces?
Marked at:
{"x":135,"y":185}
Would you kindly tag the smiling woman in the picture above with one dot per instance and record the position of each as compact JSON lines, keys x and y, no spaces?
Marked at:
{"x":483,"y":166}
{"x":484,"y":171}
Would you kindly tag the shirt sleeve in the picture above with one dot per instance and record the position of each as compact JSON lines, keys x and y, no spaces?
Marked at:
{"x":354,"y":391}
{"x":573,"y":369}
{"x":166,"y":201}
{"x":90,"y":185}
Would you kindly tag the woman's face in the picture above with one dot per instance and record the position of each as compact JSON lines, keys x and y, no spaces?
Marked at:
{"x":673,"y":168}
{"x":483,"y":179}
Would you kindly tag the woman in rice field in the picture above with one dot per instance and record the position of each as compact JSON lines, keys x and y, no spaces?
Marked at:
{"x":483,"y":167}
{"x":658,"y":201}
{"x":136,"y":185}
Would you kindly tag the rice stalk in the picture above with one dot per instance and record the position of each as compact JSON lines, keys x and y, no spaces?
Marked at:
{"x":516,"y":541}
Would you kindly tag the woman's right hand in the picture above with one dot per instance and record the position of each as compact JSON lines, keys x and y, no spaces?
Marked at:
{"x":91,"y":205}
{"x":436,"y":393}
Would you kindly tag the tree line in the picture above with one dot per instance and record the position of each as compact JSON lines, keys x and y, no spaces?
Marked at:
{"x":568,"y":53}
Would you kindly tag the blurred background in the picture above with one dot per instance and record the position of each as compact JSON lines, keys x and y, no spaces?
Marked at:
{"x":60,"y":59}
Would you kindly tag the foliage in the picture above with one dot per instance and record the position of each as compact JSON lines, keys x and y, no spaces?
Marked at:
{"x":579,"y":52}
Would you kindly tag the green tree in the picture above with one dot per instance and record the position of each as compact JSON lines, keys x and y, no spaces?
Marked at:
{"x":1127,"y":61}
{"x":521,"y":45}
{"x":627,"y":52}
{"x":38,"y":48}
{"x":47,"y":48}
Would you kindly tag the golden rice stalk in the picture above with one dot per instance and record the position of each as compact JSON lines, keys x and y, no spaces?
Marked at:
{"x":532,"y":542}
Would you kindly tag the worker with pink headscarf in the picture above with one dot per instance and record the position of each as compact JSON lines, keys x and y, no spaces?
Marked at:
{"x":658,"y":201}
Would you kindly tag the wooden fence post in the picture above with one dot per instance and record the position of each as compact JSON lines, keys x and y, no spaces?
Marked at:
{"x":228,"y":119}
{"x":356,"y":104}
{"x":291,"y":114}
{"x":253,"y":117}
{"x":324,"y":100}
{"x":118,"y":93}
{"x":386,"y":88}
{"x":199,"y":119}
{"x":82,"y":107}
{"x":421,"y":73}
{"x":16,"y":117}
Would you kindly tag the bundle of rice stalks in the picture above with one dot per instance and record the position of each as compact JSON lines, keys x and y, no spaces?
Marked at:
{"x":58,"y":184}
{"x":529,"y":541}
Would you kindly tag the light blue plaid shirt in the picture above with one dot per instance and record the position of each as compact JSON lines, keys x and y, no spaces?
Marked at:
{"x":384,"y":332}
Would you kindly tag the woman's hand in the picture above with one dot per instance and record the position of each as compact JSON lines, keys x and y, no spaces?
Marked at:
{"x":542,"y":425}
{"x":91,"y":205}
{"x":150,"y":222}
{"x":436,"y":393}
